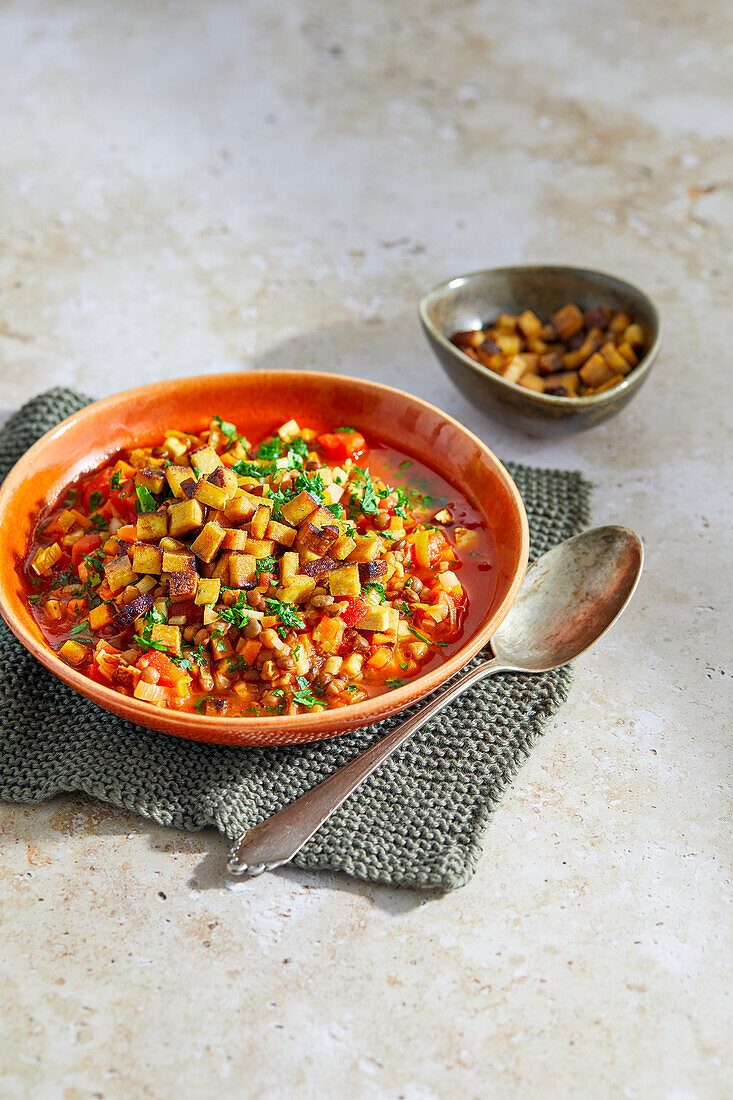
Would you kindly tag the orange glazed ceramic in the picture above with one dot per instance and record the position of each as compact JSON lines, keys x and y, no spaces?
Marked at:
{"x":259,"y":401}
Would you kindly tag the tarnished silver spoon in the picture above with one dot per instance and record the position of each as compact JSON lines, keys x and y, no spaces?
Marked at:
{"x":569,"y":598}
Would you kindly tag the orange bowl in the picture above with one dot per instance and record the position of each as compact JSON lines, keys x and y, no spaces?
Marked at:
{"x":257,"y":401}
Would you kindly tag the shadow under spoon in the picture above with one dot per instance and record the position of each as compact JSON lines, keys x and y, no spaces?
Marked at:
{"x":568,"y":599}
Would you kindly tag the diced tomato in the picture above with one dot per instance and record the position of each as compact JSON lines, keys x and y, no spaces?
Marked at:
{"x":123,"y":502}
{"x":85,"y":545}
{"x":169,"y":673}
{"x":355,"y":610}
{"x":340,"y":445}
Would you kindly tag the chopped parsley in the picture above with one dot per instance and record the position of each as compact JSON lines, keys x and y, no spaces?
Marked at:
{"x":265,"y":565}
{"x":346,"y":430}
{"x":369,"y":499}
{"x":419,"y":635}
{"x":95,"y":499}
{"x":227,"y":430}
{"x":146,"y":502}
{"x":304,"y":696}
{"x":289,"y":618}
{"x":239,"y":614}
{"x":377,"y":588}
{"x":114,"y":481}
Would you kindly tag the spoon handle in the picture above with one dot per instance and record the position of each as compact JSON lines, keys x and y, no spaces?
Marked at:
{"x":277,"y":839}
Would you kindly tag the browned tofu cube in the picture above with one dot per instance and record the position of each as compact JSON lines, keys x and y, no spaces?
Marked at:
{"x":614,"y":358}
{"x":147,"y":558}
{"x":532,"y":382}
{"x":516,"y":368}
{"x":530,"y":324}
{"x":289,"y":566}
{"x":619,"y":323}
{"x":242,"y":570}
{"x":550,"y":362}
{"x":344,"y":581}
{"x":565,"y":380}
{"x":298,"y":591}
{"x":152,"y":526}
{"x":567,"y":321}
{"x":206,"y":460}
{"x":184,"y":517}
{"x":385,"y":619}
{"x":597,"y":318}
{"x":595,"y":371}
{"x":73,"y":653}
{"x":176,"y":475}
{"x":181,"y":560}
{"x":100,"y":617}
{"x":634,"y":335}
{"x":279,"y":532}
{"x":367,"y":548}
{"x":119,"y":573}
{"x":343,"y":546}
{"x":574,"y":359}
{"x":628,"y":353}
{"x":206,"y":544}
{"x":241,"y":508}
{"x":183,"y":585}
{"x":609,"y":384}
{"x":212,"y":495}
{"x":261,"y":548}
{"x":295,"y":510}
{"x":259,"y":522}
{"x":236,"y":539}
{"x":208,"y":591}
{"x":151,"y":479}
{"x":219,"y":569}
{"x":510,"y":343}
{"x":316,"y":539}
{"x":168,"y":636}
{"x":505,"y":322}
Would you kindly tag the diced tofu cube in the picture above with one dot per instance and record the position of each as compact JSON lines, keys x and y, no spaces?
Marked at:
{"x":367,"y":548}
{"x":147,"y":558}
{"x":235,"y":539}
{"x":184,"y":517}
{"x":206,"y":544}
{"x":298,"y":591}
{"x":619,"y":323}
{"x":261,"y":548}
{"x":344,"y":581}
{"x":634,"y":335}
{"x":241,"y":508}
{"x":595,"y":371}
{"x":259,"y":522}
{"x":73,"y":653}
{"x":509,"y":343}
{"x":343,"y":546}
{"x":279,"y":532}
{"x":288,"y":431}
{"x":242,"y":570}
{"x":381,"y":618}
{"x":295,"y":510}
{"x":532,"y":382}
{"x":614,"y":358}
{"x":100,"y":617}
{"x":119,"y":573}
{"x":177,"y":561}
{"x":206,"y":460}
{"x":183,"y":584}
{"x":151,"y":479}
{"x":515,"y":369}
{"x":175,"y":476}
{"x":530,"y":324}
{"x":567,"y":321}
{"x":168,"y":636}
{"x":152,"y":526}
{"x":289,"y":566}
{"x":212,"y":495}
{"x":208,"y":591}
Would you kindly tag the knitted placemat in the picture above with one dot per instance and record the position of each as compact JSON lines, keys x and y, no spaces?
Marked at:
{"x":418,"y":821}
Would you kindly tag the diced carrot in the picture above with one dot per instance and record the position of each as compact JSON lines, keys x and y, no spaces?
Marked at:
{"x":329,"y":634}
{"x":422,"y":549}
{"x":380,"y":657}
{"x":249,"y":648}
{"x":77,"y":606}
{"x":128,"y":533}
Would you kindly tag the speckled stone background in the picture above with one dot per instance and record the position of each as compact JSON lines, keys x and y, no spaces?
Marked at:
{"x":191,"y":187}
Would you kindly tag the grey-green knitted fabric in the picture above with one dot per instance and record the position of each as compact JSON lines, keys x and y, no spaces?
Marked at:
{"x":418,"y":821}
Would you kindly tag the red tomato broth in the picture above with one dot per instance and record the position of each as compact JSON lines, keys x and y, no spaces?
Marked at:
{"x":428,"y":493}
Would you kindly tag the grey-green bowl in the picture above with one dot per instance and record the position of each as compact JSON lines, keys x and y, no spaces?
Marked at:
{"x":469,"y":301}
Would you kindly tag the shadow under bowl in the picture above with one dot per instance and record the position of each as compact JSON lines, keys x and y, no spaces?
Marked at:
{"x":470,"y":301}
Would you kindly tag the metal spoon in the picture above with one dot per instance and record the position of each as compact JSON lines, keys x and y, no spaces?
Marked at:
{"x":569,"y":598}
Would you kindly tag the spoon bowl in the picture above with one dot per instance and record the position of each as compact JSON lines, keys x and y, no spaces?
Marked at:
{"x":569,"y":598}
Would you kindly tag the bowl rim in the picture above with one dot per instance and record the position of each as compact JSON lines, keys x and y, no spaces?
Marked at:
{"x":590,"y":400}
{"x":325,"y":723}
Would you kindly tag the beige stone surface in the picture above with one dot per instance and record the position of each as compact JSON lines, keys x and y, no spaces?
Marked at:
{"x":193,"y":187}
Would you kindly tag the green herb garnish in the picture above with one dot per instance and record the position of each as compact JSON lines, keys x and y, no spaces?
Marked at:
{"x":115,"y":480}
{"x":95,"y":499}
{"x":228,"y":430}
{"x":304,"y":696}
{"x":146,"y":502}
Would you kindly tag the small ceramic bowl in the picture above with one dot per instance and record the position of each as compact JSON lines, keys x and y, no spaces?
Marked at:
{"x":258,"y":401}
{"x":469,"y":301}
